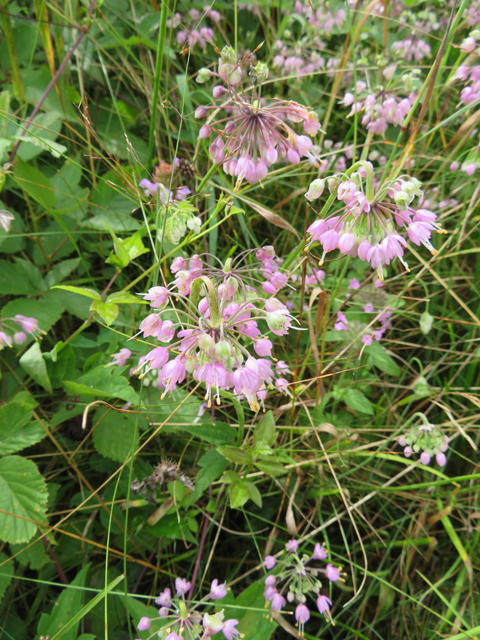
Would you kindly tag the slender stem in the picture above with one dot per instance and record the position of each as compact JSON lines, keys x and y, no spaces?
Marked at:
{"x":158,"y":72}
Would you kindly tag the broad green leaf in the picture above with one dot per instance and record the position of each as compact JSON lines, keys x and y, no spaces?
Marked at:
{"x":254,"y":493}
{"x":230,"y":476}
{"x":235,"y":454}
{"x":68,"y":605}
{"x":271,"y":467}
{"x":127,"y":250}
{"x":107,"y":310}
{"x":60,"y":271}
{"x":82,"y":291}
{"x":17,"y":430}
{"x":13,"y":280}
{"x":123,"y":297}
{"x":33,"y":363}
{"x":380,"y":358}
{"x":23,"y":499}
{"x":33,"y":182}
{"x":357,"y":401}
{"x":55,"y":148}
{"x":114,"y":433}
{"x":171,"y":527}
{"x":212,"y":466}
{"x":12,"y":241}
{"x":47,"y":310}
{"x":103,"y":382}
{"x":6,"y":574}
{"x":217,"y":433}
{"x":265,"y":430}
{"x":239,"y":494}
{"x":30,"y":554}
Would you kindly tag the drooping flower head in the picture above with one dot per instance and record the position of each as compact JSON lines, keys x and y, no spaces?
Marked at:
{"x":183,"y":617}
{"x":371,"y":227}
{"x":255,"y":133}
{"x":222,"y":309}
{"x":426,"y":439}
{"x":300,"y":579}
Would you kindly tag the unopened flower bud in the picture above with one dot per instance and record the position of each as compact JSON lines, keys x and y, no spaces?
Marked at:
{"x":315,"y":189}
{"x":203,"y":75}
{"x":228,"y":55}
{"x":259,"y":73}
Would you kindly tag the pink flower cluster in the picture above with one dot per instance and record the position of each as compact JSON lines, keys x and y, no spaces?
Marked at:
{"x":219,"y":320}
{"x":184,"y":617}
{"x":292,"y":60}
{"x":368,"y":226}
{"x":379,"y":110}
{"x":301,"y":580}
{"x":470,"y":93}
{"x":412,"y":49}
{"x":255,"y":133}
{"x":190,"y":32}
{"x":426,"y":438}
{"x":28,"y":325}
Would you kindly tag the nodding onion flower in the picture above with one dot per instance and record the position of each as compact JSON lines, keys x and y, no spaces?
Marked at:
{"x":183,"y":618}
{"x":370,"y":224}
{"x":221,"y":307}
{"x":254,"y":134}
{"x":295,"y":577}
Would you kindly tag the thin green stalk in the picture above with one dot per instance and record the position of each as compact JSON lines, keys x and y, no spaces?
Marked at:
{"x":158,"y":74}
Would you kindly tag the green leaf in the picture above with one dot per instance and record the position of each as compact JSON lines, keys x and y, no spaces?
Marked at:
{"x":83,"y":291}
{"x":123,"y":297}
{"x":6,"y":574}
{"x":13,"y":280}
{"x":65,"y":610}
{"x":380,"y":358}
{"x":265,"y":431}
{"x":12,"y":241}
{"x":271,"y":467}
{"x":107,"y":310}
{"x":16,"y":429}
{"x":230,"y":476}
{"x":60,"y":271}
{"x":30,"y":554}
{"x":254,"y":493}
{"x":33,"y":363}
{"x":103,"y":382}
{"x":127,"y":250}
{"x":75,"y":619}
{"x":173,"y":526}
{"x":218,"y":433}
{"x":235,"y":454}
{"x":239,"y":495}
{"x":23,"y":499}
{"x":357,"y":401}
{"x":114,"y":433}
{"x":212,"y":466}
{"x":34,"y":183}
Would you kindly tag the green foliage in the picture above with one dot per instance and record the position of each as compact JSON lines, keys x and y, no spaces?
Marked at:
{"x":23,"y":498}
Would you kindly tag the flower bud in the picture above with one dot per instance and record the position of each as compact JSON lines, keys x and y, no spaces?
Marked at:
{"x":315,"y":189}
{"x":203,"y":75}
{"x":228,"y":55}
{"x":223,"y":350}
